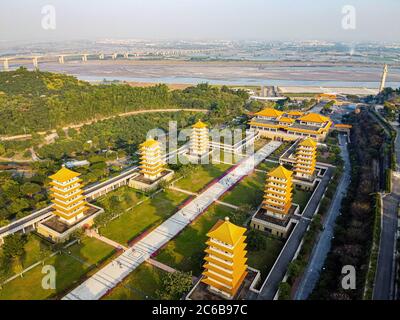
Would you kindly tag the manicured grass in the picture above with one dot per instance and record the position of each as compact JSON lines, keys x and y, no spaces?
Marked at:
{"x":249,"y":191}
{"x":29,"y":287}
{"x":267,"y":165}
{"x":136,"y":220}
{"x":203,"y":175}
{"x":186,"y":251}
{"x":141,"y":284}
{"x":91,"y":250}
{"x":263,"y":260}
{"x":69,"y":270}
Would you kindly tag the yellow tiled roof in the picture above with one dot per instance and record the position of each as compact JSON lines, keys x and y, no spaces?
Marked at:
{"x":149,"y":143}
{"x":269,"y":112}
{"x":64,"y":175}
{"x":308,"y":143}
{"x":226,"y":232}
{"x":280,"y":172}
{"x":286,"y":119}
{"x":295,"y":113}
{"x":199,"y":125}
{"x":314,"y":117}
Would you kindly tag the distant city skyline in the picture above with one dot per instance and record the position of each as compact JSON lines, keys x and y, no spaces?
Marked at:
{"x":270,"y":20}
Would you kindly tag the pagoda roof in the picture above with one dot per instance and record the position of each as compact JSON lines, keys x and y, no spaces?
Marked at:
{"x":308,"y":142}
{"x":64,"y":175}
{"x":280,"y":172}
{"x":269,"y":112}
{"x":226,"y":231}
{"x":199,"y":125}
{"x":149,"y":143}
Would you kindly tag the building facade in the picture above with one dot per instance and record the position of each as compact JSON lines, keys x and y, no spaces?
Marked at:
{"x":151,"y":164}
{"x":199,"y":140}
{"x":225,"y":261}
{"x":278,"y":193}
{"x":306,"y":158}
{"x":67,"y":195}
{"x":291,"y":125}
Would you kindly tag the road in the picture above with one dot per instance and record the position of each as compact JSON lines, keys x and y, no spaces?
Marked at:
{"x":108,"y":277}
{"x":320,"y":251}
{"x":278,"y":270}
{"x":384,"y":277}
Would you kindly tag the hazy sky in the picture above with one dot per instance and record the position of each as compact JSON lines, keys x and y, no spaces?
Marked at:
{"x":201,"y":19}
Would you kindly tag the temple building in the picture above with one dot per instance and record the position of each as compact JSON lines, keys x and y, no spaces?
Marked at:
{"x":277,"y":211}
{"x":152,"y":167}
{"x":291,"y":125}
{"x":199,"y":140}
{"x":225,"y":266}
{"x":67,"y":198}
{"x":70,"y":211}
{"x":152,"y":164}
{"x":278,"y":192}
{"x":306,"y":154}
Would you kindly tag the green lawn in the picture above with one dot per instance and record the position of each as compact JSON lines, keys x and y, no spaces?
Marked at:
{"x":267,"y":165}
{"x":263,"y":260}
{"x":91,"y":250}
{"x":203,"y":175}
{"x":138,"y":219}
{"x":249,"y":191}
{"x":69,"y":270}
{"x":186,"y":251}
{"x":141,"y":284}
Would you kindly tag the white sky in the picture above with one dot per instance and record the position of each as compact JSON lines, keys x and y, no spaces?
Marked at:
{"x":376,"y":20}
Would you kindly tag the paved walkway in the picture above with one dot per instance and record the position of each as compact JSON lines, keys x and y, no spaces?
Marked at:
{"x":113,"y":273}
{"x":190,"y":193}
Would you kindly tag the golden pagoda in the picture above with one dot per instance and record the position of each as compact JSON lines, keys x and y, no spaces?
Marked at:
{"x":152,"y":164}
{"x":306,"y":155}
{"x":199,"y":139}
{"x":278,"y":192}
{"x":225,"y":266}
{"x":67,"y":196}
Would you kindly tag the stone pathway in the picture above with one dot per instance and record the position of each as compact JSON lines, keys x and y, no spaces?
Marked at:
{"x":113,"y":273}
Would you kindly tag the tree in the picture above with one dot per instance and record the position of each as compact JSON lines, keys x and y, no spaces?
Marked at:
{"x":174,"y":285}
{"x":14,"y":245}
{"x":2,"y":149}
{"x":30,"y":188}
{"x":284,"y":291}
{"x":256,"y":241}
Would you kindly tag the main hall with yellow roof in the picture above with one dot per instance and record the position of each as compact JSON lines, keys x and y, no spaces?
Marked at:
{"x":291,"y":125}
